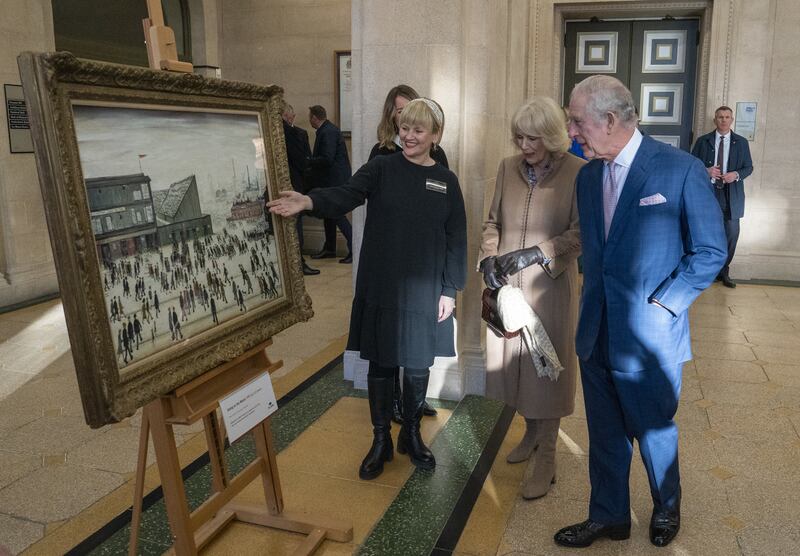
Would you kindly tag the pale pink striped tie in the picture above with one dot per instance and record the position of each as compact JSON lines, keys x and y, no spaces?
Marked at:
{"x":610,"y":195}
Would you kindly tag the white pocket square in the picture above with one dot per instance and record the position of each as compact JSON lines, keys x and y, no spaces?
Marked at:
{"x":656,"y":199}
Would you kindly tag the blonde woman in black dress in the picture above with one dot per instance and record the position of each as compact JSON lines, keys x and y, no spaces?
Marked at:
{"x":413,"y":260}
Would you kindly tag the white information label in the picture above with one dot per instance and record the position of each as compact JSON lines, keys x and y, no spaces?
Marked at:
{"x":248,"y":406}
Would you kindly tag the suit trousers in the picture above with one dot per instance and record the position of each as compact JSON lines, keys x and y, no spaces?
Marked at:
{"x":621,"y":406}
{"x":732,"y":235}
{"x":330,"y":233}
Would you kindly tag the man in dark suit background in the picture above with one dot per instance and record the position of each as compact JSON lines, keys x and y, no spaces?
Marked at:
{"x":331,"y":167}
{"x":652,"y":241}
{"x":298,"y":152}
{"x":727,"y":171}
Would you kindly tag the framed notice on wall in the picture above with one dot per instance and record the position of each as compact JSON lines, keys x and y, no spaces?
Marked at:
{"x":745,"y":122}
{"x":19,"y":129}
{"x":343,"y":80}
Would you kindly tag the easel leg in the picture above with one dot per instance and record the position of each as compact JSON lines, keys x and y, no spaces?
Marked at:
{"x":171,"y":481}
{"x":270,"y":479}
{"x":138,"y":491}
{"x":215,"y":438}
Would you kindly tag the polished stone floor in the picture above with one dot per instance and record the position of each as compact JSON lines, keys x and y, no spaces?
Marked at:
{"x":61,"y":482}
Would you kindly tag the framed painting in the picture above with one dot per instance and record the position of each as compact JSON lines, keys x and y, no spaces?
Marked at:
{"x":343,"y":81}
{"x":154,"y":186}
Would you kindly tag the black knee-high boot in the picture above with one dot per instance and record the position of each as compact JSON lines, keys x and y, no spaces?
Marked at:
{"x":380,"y":411}
{"x":410,"y":441}
{"x":397,"y":397}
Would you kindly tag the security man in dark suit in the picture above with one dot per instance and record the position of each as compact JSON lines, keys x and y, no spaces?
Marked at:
{"x":331,"y":167}
{"x":298,"y":152}
{"x":727,"y":160}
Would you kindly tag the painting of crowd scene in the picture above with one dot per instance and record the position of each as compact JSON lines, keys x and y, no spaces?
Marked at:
{"x":183,"y":240}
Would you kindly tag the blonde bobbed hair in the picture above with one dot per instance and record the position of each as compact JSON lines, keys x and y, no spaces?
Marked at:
{"x":418,"y":112}
{"x":542,"y":117}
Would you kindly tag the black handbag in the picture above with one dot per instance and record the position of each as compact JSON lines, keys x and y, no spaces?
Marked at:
{"x":491,"y":316}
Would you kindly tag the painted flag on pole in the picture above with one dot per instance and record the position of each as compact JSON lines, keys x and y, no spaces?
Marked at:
{"x":142,"y":156}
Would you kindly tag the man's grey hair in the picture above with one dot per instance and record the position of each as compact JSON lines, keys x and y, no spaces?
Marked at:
{"x":606,"y":94}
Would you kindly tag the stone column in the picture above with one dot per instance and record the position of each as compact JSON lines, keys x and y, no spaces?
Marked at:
{"x":26,"y":260}
{"x":454,"y":52}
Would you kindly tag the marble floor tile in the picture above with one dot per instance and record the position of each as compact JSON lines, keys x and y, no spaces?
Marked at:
{"x":48,"y":435}
{"x":786,"y":354}
{"x":769,"y":538}
{"x":718,"y":350}
{"x":17,"y":534}
{"x":761,"y":395}
{"x":773,"y":338}
{"x":783,"y":374}
{"x":753,"y":423}
{"x":722,"y":335}
{"x":778,"y":458}
{"x":710,"y":310}
{"x":120,"y":449}
{"x":487,"y":521}
{"x":56,"y":493}
{"x":731,"y":371}
{"x":11,"y":381}
{"x":14,"y":465}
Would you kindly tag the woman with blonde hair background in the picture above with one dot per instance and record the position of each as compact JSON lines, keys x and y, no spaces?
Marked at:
{"x":413,"y":260}
{"x":388,"y":131}
{"x":531,"y":240}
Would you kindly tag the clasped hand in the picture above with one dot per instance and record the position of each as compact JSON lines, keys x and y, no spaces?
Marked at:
{"x":496,"y":270}
{"x":290,"y":203}
{"x":513,"y":262}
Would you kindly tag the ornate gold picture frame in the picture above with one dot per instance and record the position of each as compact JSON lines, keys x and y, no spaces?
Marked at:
{"x":154,"y":186}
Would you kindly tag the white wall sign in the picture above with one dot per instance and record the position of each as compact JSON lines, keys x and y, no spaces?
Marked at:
{"x":745,"y":122}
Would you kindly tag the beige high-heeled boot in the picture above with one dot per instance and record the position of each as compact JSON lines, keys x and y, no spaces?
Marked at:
{"x":526,"y":446}
{"x":541,"y":472}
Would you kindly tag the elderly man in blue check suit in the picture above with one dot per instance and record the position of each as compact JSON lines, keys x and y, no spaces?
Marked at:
{"x":653,"y":240}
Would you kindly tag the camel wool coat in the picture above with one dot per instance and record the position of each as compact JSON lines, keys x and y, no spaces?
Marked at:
{"x":546,"y":216}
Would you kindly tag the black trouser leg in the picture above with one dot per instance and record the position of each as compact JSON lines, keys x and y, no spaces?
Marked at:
{"x":415,"y":386}
{"x":330,"y":235}
{"x":732,"y":235}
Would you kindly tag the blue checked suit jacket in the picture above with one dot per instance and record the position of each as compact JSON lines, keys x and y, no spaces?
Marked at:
{"x":669,"y":252}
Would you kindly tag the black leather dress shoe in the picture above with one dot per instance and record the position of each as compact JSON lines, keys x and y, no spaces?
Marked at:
{"x":664,"y":526}
{"x":347,"y":260}
{"x":584,"y":534}
{"x":428,"y":410}
{"x":308,"y":271}
{"x":324,"y":255}
{"x":727,"y":282}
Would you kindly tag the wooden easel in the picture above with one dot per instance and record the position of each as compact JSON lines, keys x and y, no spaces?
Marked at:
{"x":197,"y":400}
{"x":162,"y":53}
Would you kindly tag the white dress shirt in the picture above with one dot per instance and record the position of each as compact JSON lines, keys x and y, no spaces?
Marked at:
{"x":623,"y":161}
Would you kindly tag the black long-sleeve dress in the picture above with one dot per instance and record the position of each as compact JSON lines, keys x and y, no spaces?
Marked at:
{"x":414,"y":251}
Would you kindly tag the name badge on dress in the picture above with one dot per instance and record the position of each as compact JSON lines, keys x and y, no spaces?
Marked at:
{"x":437,"y":186}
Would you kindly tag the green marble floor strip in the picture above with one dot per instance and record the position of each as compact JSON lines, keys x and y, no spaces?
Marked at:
{"x":414,"y":520}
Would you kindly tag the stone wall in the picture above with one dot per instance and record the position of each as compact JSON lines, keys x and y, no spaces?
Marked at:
{"x":26,"y":261}
{"x":290,"y":43}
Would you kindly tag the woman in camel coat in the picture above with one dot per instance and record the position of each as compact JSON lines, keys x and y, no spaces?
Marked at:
{"x":531,"y":240}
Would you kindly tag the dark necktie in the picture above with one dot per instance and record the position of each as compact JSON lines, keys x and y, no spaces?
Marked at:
{"x":720,"y":161}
